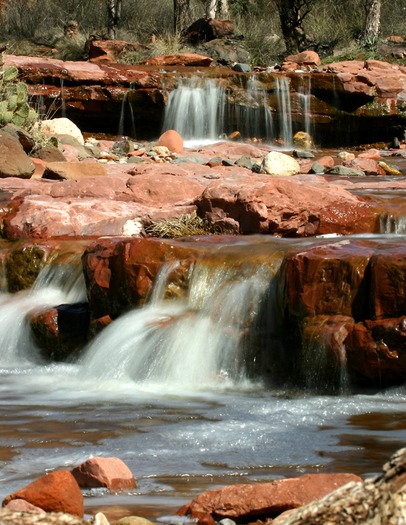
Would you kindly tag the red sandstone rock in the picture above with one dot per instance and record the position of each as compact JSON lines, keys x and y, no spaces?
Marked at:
{"x":120,"y":272}
{"x":180,"y":59}
{"x":326,"y":280}
{"x":265,"y":500}
{"x":308,"y":58}
{"x":367,"y":165}
{"x":326,"y":161}
{"x":172,"y":140}
{"x":107,"y":51}
{"x":73,"y":170}
{"x":370,"y":154}
{"x":55,"y":492}
{"x":388,"y":282}
{"x":40,"y":166}
{"x":376,"y":351}
{"x":111,"y":473}
{"x":301,"y":205}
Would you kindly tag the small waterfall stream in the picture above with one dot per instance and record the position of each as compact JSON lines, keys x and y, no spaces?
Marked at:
{"x":304,"y":95}
{"x":285,"y":113}
{"x":196,"y":109}
{"x":126,"y":126}
{"x":201,"y":110}
{"x":191,"y":343}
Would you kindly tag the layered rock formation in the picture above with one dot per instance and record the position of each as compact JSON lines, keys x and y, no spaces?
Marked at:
{"x":351,"y":102}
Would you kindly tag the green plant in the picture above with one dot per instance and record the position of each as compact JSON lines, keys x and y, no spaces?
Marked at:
{"x":14,"y":107}
{"x":181,"y":226}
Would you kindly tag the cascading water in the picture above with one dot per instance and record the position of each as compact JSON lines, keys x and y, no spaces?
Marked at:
{"x":167,"y":389}
{"x":55,"y":285}
{"x":123,"y":125}
{"x":284,"y":110}
{"x":200,"y":110}
{"x":254,"y":118}
{"x":195,"y":109}
{"x":193,"y":343}
{"x":304,"y":94}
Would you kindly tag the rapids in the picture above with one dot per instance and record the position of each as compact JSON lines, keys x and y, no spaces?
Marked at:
{"x":166,"y":388}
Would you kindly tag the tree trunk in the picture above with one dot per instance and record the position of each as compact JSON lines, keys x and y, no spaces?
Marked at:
{"x":181,"y":16}
{"x":113,"y":17}
{"x":372,"y":21}
{"x":217,"y":9}
{"x":291,"y":15}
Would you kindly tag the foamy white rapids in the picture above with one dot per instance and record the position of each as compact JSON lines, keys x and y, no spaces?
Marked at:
{"x":55,"y":285}
{"x":191,"y":344}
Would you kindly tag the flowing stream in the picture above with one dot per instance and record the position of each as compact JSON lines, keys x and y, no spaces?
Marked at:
{"x":166,"y":388}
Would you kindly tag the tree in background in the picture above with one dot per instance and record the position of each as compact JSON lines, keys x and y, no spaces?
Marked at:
{"x":372,"y":22}
{"x":217,"y":9}
{"x":181,"y":15}
{"x":113,"y":17}
{"x":291,"y":15}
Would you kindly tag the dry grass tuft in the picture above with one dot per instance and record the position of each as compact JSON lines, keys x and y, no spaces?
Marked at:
{"x":184,"y":225}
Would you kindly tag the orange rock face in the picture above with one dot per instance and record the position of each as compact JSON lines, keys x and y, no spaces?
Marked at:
{"x":58,"y":491}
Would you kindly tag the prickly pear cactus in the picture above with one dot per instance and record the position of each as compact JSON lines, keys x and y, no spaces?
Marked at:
{"x":14,"y":107}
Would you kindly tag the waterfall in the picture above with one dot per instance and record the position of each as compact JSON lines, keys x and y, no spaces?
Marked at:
{"x":200,"y":111}
{"x":304,"y":95}
{"x":196,"y":109}
{"x":391,"y":223}
{"x":192,"y":343}
{"x":124,"y":117}
{"x":63,"y":103}
{"x":55,"y":285}
{"x":284,"y":110}
{"x":254,"y":119}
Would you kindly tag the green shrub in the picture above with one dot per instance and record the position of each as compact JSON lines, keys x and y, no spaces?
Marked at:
{"x":14,"y":107}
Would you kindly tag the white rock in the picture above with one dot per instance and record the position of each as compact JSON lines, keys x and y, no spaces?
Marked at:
{"x":132,"y":227}
{"x":61,"y":126}
{"x":279,"y":165}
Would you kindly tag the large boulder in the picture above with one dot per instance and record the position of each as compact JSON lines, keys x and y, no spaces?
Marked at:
{"x":58,"y":491}
{"x":332,"y":297}
{"x":14,"y":162}
{"x":287,"y":206}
